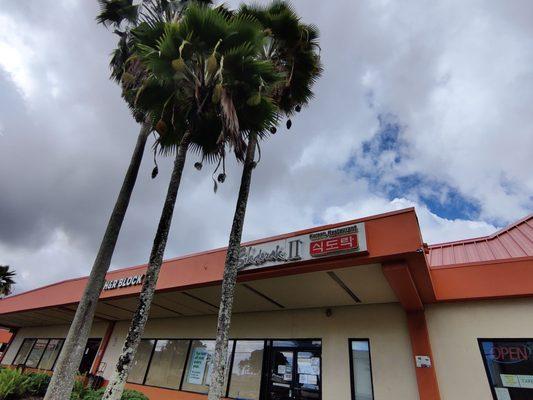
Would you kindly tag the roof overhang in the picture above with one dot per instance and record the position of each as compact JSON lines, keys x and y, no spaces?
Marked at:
{"x":190,"y":285}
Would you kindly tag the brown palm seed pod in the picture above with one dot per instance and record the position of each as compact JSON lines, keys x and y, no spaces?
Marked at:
{"x":161,"y":127}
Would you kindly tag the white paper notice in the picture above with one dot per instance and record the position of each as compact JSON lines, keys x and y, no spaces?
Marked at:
{"x":502,"y":394}
{"x":306,"y":379}
{"x":287,"y":377}
{"x":197,"y":369}
{"x":526,"y":381}
{"x":304,"y":366}
{"x":281,"y":369}
{"x":509,"y":380}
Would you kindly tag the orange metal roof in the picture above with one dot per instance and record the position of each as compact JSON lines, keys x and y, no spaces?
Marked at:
{"x":512,"y":242}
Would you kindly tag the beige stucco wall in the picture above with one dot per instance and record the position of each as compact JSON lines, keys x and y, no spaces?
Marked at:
{"x":56,"y":331}
{"x":454,"y":329}
{"x":385,"y":326}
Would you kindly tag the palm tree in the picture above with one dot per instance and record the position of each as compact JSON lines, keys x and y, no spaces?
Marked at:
{"x":205,"y":89}
{"x":122,"y":15}
{"x":6,"y":280}
{"x":292,"y":48}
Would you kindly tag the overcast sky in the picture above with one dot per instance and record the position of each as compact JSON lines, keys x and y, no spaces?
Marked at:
{"x":424,"y":104}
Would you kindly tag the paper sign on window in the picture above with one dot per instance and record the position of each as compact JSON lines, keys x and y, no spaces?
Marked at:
{"x":197,"y":369}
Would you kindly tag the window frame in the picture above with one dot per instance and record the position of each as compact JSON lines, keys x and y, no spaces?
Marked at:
{"x":20,"y":348}
{"x":147,"y":365}
{"x":62,"y":340}
{"x":351,"y":360}
{"x":190,"y":340}
{"x":225,"y":391}
{"x":484,"y":360}
{"x":42,"y":354}
{"x":261,"y":380}
{"x":35,"y":339}
{"x":152,"y":356}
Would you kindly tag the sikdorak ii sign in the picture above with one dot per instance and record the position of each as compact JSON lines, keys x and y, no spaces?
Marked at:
{"x":331,"y":242}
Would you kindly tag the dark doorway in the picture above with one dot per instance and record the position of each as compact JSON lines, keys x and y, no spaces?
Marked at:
{"x":294,"y":371}
{"x":88,"y":355}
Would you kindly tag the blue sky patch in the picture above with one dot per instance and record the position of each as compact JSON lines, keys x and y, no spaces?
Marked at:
{"x":379,"y":161}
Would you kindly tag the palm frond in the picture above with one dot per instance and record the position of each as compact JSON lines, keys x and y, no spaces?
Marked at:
{"x":6,"y":280}
{"x":114,"y":12}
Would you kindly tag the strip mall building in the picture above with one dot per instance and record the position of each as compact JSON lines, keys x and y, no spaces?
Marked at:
{"x":359,"y":310}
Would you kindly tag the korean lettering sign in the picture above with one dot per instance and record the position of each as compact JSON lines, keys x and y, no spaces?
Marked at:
{"x":333,"y":245}
{"x":509,"y":366}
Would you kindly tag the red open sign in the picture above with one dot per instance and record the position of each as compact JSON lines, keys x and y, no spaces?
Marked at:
{"x":333,"y":245}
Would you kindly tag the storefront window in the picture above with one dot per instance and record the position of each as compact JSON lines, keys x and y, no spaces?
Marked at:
{"x":24,"y":351}
{"x":198,"y":373}
{"x":245,"y":382}
{"x":140,"y":362}
{"x":509,"y":366}
{"x":168,"y":361}
{"x":361,"y":372}
{"x":36,"y":353}
{"x":50,"y":354}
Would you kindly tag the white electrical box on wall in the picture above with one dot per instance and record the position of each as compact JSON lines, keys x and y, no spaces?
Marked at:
{"x":423,"y":361}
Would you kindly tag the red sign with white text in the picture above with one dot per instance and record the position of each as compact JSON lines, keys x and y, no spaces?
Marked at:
{"x":333,"y":245}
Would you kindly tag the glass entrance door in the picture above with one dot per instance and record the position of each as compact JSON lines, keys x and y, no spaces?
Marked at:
{"x":88,"y":355}
{"x":295,"y":371}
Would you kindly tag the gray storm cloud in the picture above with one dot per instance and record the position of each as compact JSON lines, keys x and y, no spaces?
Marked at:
{"x":455,"y":76}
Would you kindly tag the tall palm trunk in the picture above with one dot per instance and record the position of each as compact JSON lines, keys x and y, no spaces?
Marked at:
{"x":116,"y":385}
{"x":71,"y":354}
{"x":230,"y":276}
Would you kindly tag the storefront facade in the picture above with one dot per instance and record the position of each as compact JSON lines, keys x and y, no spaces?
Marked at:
{"x":360,"y":310}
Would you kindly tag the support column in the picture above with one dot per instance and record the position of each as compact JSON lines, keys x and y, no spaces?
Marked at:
{"x":103,"y":347}
{"x":403,"y":285}
{"x":428,"y":387}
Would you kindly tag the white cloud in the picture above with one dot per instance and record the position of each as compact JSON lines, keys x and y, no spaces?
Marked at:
{"x":455,"y":76}
{"x":16,"y":54}
{"x":458,"y":78}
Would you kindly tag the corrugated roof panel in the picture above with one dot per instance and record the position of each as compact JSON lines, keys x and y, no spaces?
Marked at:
{"x":498,"y":249}
{"x":471,"y":252}
{"x":483,"y":249}
{"x":435,"y":256}
{"x":447,"y":255}
{"x":511,"y":246}
{"x":459,"y":253}
{"x":527,"y":229}
{"x":525,"y":243}
{"x":513,"y":241}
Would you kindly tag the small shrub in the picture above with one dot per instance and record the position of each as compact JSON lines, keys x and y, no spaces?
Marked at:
{"x":94,"y":394}
{"x":90,"y":394}
{"x":79,"y":392}
{"x":38,"y":384}
{"x":133,"y":395}
{"x":13,"y":384}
